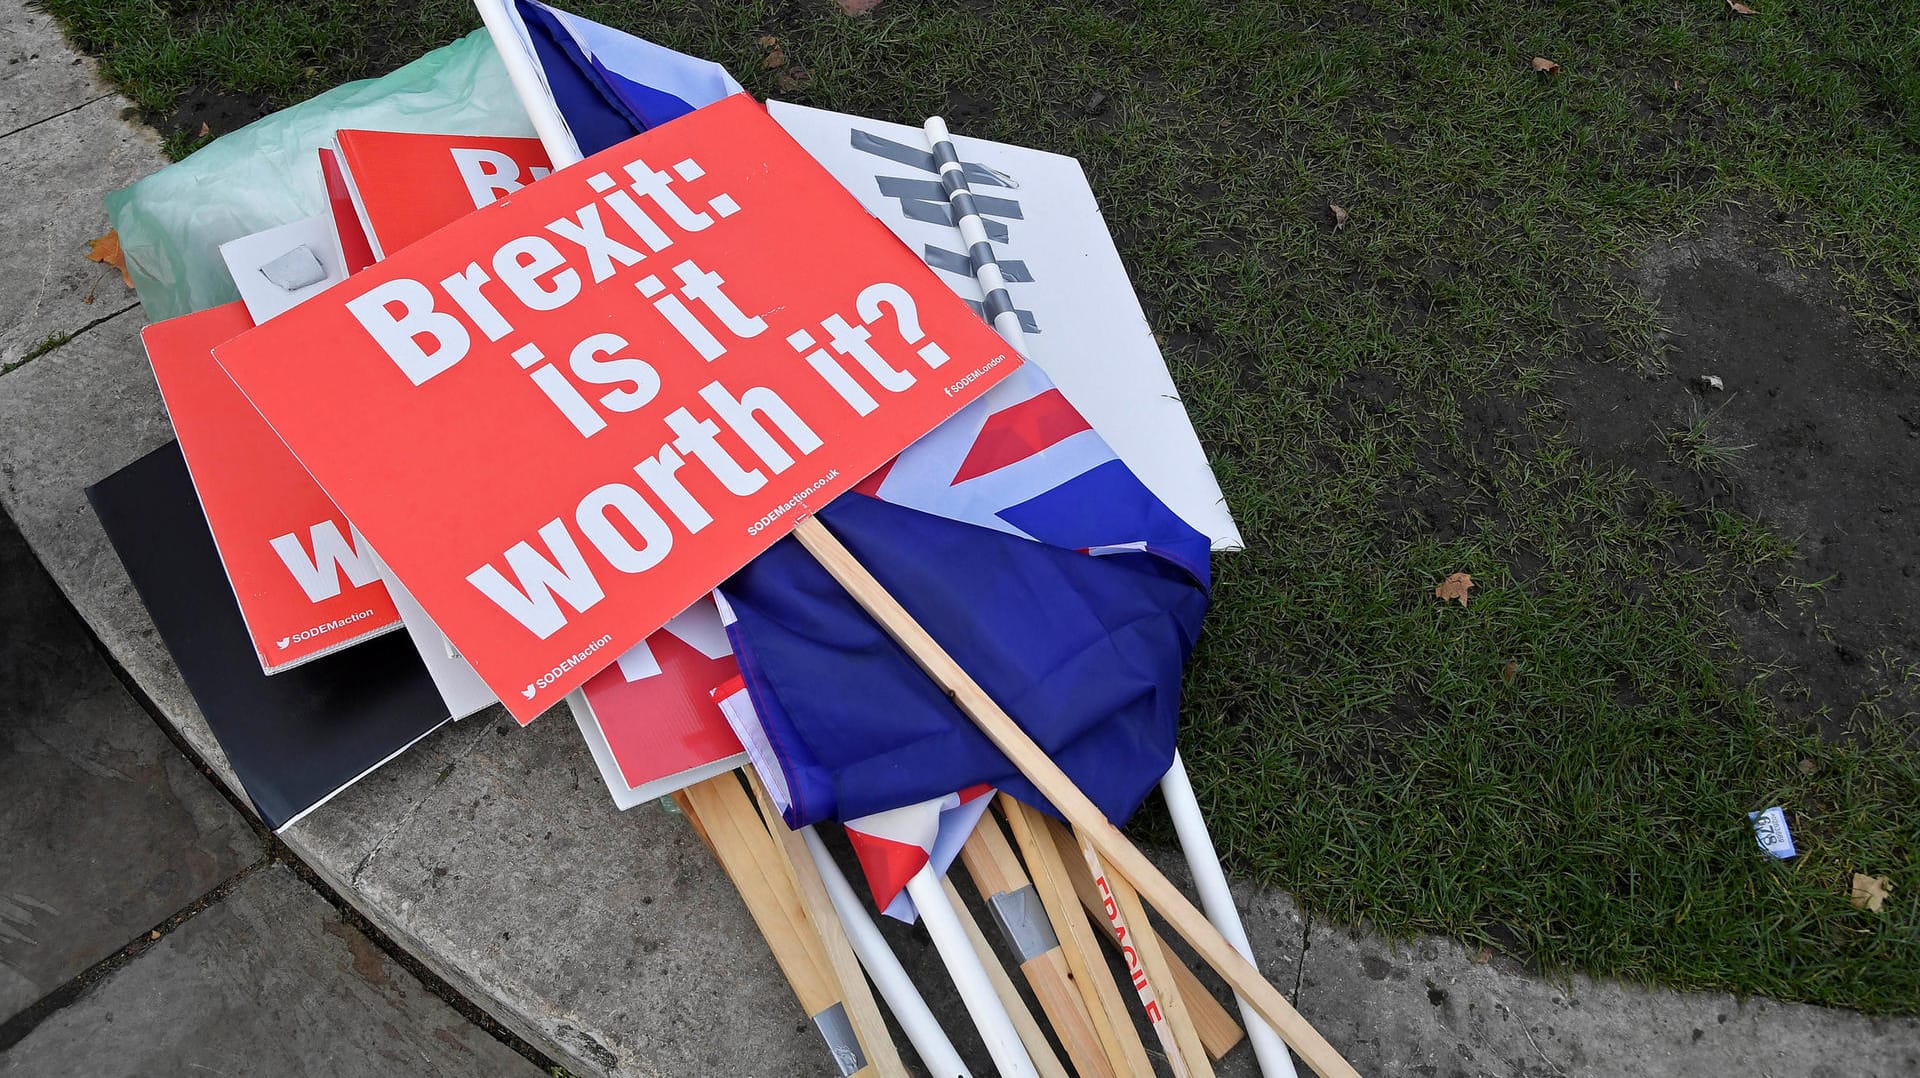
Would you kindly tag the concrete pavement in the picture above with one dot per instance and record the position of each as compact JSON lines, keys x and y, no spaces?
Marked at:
{"x":106,"y":830}
{"x":144,"y":926}
{"x":610,"y":941}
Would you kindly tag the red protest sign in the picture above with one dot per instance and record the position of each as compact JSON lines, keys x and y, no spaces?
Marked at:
{"x":655,"y":707}
{"x":563,"y":418}
{"x":302,"y":579}
{"x":405,"y":185}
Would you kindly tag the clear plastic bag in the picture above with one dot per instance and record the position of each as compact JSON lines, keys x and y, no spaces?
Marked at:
{"x":172,"y":223}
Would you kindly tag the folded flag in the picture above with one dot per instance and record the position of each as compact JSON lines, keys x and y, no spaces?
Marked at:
{"x":1022,"y":460}
{"x":610,"y":86}
{"x":1084,"y":652}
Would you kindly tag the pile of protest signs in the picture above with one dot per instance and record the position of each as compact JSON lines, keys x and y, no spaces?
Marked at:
{"x":824,"y":468}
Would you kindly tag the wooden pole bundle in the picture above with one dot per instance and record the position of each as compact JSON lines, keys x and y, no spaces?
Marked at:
{"x":1120,"y":855}
{"x":1219,"y":1033}
{"x":1003,"y":883}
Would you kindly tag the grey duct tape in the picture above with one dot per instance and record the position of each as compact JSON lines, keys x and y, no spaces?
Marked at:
{"x":980,"y":254}
{"x":998,"y":303}
{"x":945,"y":154}
{"x":837,"y":1031}
{"x":1013,"y":270}
{"x":1024,"y":922}
{"x":297,"y":269}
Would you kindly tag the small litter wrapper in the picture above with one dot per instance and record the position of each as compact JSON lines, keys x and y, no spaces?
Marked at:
{"x":1770,"y":827}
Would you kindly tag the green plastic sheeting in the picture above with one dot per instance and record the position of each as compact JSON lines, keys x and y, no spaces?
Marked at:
{"x":172,"y":223}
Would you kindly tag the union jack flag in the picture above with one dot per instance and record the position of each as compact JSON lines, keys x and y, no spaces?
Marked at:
{"x":1023,"y":461}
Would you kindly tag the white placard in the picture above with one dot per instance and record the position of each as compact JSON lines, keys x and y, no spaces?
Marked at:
{"x":1084,"y":324}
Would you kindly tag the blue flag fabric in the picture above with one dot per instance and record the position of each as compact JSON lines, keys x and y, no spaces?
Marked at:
{"x":1042,"y":564}
{"x":611,"y":86}
{"x":1084,"y":652}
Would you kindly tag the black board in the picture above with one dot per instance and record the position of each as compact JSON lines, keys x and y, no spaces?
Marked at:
{"x":298,"y":737}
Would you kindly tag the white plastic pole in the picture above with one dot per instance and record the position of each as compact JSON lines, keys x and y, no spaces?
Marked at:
{"x":986,"y":271}
{"x":884,"y":969}
{"x":527,"y":83}
{"x":969,"y":976}
{"x":1217,"y":900}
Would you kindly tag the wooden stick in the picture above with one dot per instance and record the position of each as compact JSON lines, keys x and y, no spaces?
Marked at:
{"x":1120,"y":855}
{"x":862,"y":1012}
{"x":1112,"y":1022}
{"x":1039,"y":1049}
{"x":746,"y":852}
{"x":1154,"y":980}
{"x":1156,"y":1010}
{"x":685,"y":805}
{"x":997,"y":874}
{"x":1219,"y":1033}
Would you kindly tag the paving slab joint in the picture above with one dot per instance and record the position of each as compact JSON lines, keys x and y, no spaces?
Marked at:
{"x":273,"y":851}
{"x":15,"y":1029}
{"x":56,"y":116}
{"x":58,"y":341}
{"x":1300,"y":967}
{"x":432,"y":981}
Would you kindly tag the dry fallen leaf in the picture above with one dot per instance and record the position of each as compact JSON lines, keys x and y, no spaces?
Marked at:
{"x":1508,"y":671}
{"x":1676,"y":84}
{"x":1544,"y":66}
{"x":106,"y":250}
{"x":776,"y":56}
{"x":1484,"y":955}
{"x":858,"y":7}
{"x":795,"y":78}
{"x":154,"y":935}
{"x":1870,"y":891}
{"x":1808,"y":767}
{"x":1454,"y":587}
{"x":1739,"y":8}
{"x":205,"y":129}
{"x":1339,"y":216}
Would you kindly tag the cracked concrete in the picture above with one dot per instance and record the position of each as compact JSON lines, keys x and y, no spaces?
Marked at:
{"x":413,"y":810}
{"x":41,"y":76}
{"x":66,"y":163}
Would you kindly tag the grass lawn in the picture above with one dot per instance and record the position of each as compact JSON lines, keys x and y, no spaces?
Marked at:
{"x":1561,"y":770}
